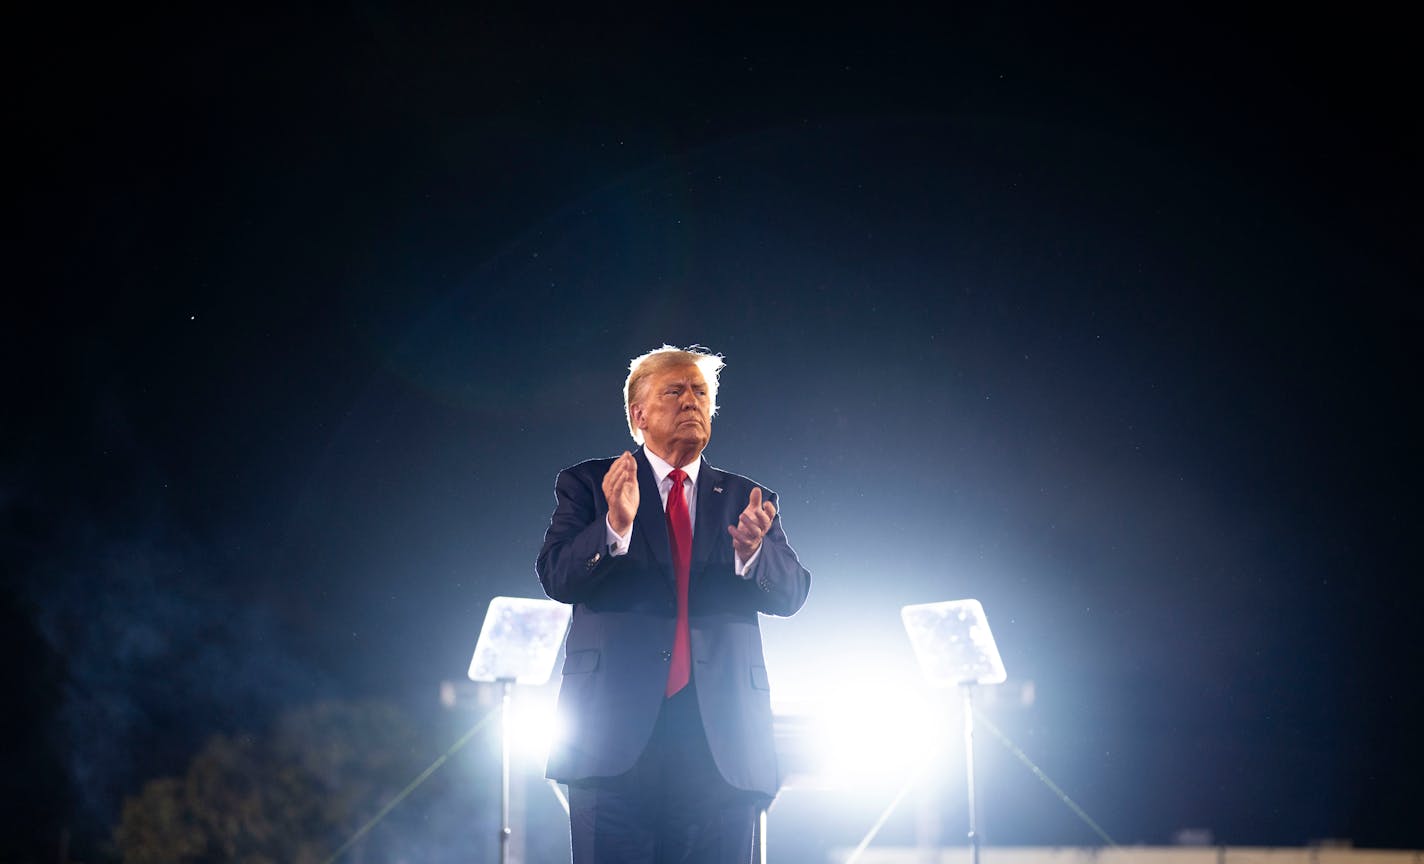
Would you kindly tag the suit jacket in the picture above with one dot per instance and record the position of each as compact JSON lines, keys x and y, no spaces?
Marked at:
{"x":620,"y":638}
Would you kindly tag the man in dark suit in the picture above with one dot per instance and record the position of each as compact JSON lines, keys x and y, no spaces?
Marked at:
{"x":665,"y":704}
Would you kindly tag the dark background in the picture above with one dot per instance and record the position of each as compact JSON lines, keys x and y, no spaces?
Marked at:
{"x":1106,"y":318}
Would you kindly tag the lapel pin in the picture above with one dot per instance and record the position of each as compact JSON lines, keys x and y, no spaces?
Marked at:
{"x":716,"y":488}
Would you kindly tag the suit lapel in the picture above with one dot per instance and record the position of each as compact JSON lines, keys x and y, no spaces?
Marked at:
{"x":651,"y":521}
{"x":711,"y":506}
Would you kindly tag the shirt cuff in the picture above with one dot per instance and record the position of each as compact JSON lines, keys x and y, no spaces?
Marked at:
{"x":618,"y":543}
{"x":740,"y":567}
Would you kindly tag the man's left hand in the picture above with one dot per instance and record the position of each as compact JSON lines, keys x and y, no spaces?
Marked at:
{"x":752,"y":525}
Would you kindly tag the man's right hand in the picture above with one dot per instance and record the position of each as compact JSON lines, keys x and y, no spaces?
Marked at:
{"x":620,"y":487}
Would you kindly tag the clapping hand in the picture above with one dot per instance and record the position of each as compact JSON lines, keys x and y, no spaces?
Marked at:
{"x":752,"y":525}
{"x":620,"y":487}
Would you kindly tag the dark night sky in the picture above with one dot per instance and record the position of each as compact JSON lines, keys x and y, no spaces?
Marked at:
{"x":1107,"y":319}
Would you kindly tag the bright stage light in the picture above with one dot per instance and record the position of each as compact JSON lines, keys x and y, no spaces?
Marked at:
{"x":864,"y":721}
{"x":534,"y":728}
{"x":880,"y":733}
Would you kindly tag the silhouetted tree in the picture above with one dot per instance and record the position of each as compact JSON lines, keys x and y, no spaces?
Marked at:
{"x":292,"y":796}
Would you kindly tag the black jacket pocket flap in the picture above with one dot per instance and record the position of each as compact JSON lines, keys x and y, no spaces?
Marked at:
{"x":581,"y":661}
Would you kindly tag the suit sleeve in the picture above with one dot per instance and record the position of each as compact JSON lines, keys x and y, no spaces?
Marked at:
{"x":574,"y":560}
{"x":777,"y":576}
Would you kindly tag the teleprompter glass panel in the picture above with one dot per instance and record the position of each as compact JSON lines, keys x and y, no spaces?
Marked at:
{"x":520,"y":640}
{"x":953,"y":643}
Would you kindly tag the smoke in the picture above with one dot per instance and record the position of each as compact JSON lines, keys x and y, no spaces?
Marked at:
{"x":157,"y":656}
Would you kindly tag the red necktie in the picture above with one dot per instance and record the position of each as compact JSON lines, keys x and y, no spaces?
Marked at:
{"x":679,"y":523}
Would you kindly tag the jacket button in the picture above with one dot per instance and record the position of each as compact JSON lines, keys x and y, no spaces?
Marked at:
{"x":667,"y":656}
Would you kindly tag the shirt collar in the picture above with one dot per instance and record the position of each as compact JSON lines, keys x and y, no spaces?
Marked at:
{"x":661,"y":468}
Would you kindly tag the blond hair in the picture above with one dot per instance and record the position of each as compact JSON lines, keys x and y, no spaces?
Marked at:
{"x":668,"y":357}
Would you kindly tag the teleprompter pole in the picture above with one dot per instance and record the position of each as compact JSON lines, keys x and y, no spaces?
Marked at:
{"x":506,"y":688}
{"x":969,"y":770}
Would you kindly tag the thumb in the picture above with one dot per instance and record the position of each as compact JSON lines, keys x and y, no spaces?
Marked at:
{"x":756,"y":498}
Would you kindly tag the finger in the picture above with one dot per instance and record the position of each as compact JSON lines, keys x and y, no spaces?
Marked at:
{"x":761,"y":525}
{"x":627,"y":468}
{"x":770,"y":510}
{"x":618,"y":476}
{"x":750,"y":530}
{"x":755,"y":503}
{"x":759,"y":516}
{"x":741,"y":543}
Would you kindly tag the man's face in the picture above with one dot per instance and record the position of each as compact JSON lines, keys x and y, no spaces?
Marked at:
{"x":674,"y":413}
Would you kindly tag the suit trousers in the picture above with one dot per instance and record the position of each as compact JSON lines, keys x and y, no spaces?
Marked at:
{"x":671,"y":807}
